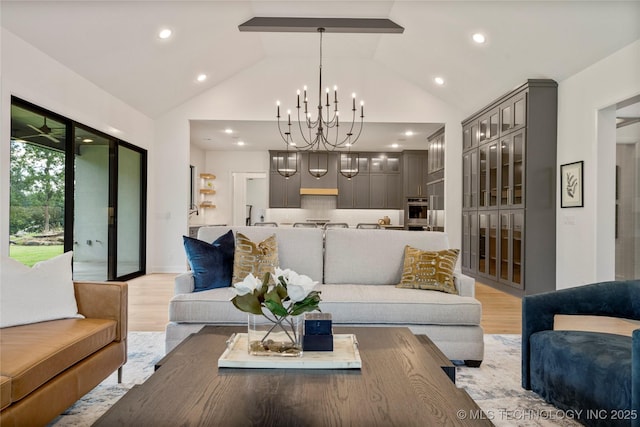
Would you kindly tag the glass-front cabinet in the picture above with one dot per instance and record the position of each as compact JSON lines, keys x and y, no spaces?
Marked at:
{"x":508,"y":165}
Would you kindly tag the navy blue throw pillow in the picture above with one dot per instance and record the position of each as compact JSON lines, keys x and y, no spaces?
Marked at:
{"x":211,"y":264}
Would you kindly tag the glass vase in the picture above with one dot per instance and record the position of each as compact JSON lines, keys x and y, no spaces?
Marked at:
{"x":269,"y":336}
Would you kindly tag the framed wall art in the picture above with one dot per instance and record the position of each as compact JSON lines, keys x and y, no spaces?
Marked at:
{"x":571,"y":185}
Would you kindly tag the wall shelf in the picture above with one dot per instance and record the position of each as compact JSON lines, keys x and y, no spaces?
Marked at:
{"x":206,"y":190}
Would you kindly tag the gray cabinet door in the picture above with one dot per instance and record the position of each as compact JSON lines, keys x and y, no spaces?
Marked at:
{"x":470,"y":179}
{"x":385,"y":191}
{"x":415,"y":174}
{"x":284,"y":192}
{"x":488,"y":244}
{"x":511,"y":248}
{"x":469,"y":253}
{"x":361,"y":196}
{"x":394,"y":192}
{"x":377,"y":190}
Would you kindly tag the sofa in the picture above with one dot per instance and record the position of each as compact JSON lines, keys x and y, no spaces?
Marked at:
{"x":356,"y":271}
{"x":47,"y":366}
{"x":595,"y":375}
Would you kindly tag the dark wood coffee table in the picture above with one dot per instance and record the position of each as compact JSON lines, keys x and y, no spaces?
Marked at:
{"x":401,"y":383}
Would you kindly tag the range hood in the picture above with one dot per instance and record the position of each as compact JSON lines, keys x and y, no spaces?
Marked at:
{"x":318,"y":191}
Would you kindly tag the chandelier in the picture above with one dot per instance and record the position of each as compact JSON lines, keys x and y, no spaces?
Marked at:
{"x":320,"y":132}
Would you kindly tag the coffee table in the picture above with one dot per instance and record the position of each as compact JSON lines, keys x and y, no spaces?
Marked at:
{"x":401,"y":383}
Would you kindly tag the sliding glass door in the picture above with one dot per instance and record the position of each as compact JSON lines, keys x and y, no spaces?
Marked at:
{"x":80,"y":188}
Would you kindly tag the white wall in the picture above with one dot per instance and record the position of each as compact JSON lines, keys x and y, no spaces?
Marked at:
{"x":35,"y":77}
{"x":251,"y":95}
{"x":586,"y":131}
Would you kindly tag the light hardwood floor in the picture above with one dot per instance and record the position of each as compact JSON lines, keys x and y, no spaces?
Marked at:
{"x":149,"y":306}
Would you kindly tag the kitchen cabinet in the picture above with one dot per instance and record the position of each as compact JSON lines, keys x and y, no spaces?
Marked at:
{"x":283,"y":192}
{"x":354,"y":193}
{"x":384,"y":163}
{"x":509,"y":191}
{"x":415,"y":174}
{"x":385,"y":191}
{"x":311,"y":160}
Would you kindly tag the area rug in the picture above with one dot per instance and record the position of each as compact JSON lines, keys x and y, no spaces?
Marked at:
{"x":495,"y":386}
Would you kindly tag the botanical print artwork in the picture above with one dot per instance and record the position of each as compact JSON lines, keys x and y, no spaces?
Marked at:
{"x":571,"y":185}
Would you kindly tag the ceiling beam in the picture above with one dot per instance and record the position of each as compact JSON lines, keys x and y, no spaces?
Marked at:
{"x":311,"y":25}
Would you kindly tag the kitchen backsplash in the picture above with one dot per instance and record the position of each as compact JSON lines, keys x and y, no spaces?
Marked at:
{"x":324,"y":208}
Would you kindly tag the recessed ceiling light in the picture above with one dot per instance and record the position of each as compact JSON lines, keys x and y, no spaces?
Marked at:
{"x":227,"y":130}
{"x":409,"y":133}
{"x":394,"y":145}
{"x":439,"y":81}
{"x":201,"y":77}
{"x":165,"y":33}
{"x":479,"y":38}
{"x":240,"y":142}
{"x":87,"y":140}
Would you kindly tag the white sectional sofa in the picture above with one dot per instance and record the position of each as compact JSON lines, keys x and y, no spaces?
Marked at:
{"x":357,"y":271}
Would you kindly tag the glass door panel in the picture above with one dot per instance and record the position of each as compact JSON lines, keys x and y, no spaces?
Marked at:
{"x":493,"y":175}
{"x":517,"y":196}
{"x":505,"y":169}
{"x":517,"y":249}
{"x":484,"y":197}
{"x":129,"y":211}
{"x":92,"y":210}
{"x":37,"y":185}
{"x":505,"y":247}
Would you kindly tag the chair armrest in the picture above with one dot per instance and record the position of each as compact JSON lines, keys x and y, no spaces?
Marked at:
{"x":465,"y":285}
{"x":183,"y":283}
{"x":615,"y":299}
{"x":104,"y":300}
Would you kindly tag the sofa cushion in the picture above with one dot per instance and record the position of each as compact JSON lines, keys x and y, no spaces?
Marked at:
{"x":211,"y":263}
{"x":291,"y":243}
{"x":212,"y":306}
{"x":33,"y":354}
{"x":375,"y":304}
{"x":254,"y":258}
{"x":429,"y":270}
{"x":373,"y":257}
{"x":592,"y":369}
{"x":42,"y":292}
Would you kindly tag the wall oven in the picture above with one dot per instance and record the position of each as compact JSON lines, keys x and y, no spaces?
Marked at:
{"x":416,"y":213}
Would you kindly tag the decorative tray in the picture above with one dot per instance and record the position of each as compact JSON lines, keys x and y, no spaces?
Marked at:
{"x":345,"y":355}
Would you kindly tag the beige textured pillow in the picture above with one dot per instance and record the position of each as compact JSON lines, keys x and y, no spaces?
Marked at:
{"x":429,"y":270}
{"x":254,"y":258}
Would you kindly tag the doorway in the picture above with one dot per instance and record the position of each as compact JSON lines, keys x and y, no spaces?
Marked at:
{"x":250,"y":197}
{"x":627,"y":195}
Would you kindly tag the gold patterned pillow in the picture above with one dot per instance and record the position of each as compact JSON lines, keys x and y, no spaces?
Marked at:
{"x":255,"y":258}
{"x":429,"y":270}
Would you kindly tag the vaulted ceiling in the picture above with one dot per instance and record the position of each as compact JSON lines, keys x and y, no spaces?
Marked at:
{"x":115,"y":44}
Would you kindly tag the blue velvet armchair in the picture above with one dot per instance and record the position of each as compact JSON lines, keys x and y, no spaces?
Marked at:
{"x":595,"y":375}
